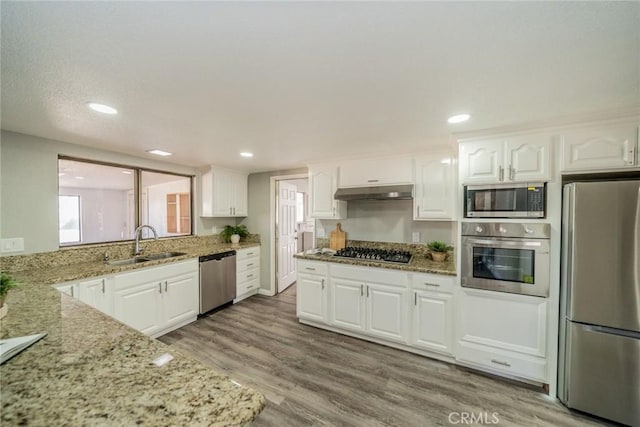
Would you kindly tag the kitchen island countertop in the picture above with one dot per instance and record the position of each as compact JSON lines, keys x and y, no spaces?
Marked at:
{"x":91,"y":369}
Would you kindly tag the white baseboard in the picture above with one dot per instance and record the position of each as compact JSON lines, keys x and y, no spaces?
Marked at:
{"x":267,"y":292}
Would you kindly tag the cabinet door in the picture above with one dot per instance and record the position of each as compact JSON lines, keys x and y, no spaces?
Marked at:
{"x":238,"y":195}
{"x":482,"y":161}
{"x":323,"y":183}
{"x":505,"y":321}
{"x":386,"y":312}
{"x":96,"y":294}
{"x":347,"y":304}
{"x":140,"y":307}
{"x":70,"y":289}
{"x":180,"y":299}
{"x":383,"y":171}
{"x":601,"y":148}
{"x":433,"y":321}
{"x":528,"y":158}
{"x":222,"y":190}
{"x":311,"y":297}
{"x":435,"y":191}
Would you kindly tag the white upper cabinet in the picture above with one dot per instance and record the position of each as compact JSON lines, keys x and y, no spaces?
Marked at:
{"x":224,"y":193}
{"x":379,"y":171}
{"x":323,"y":183}
{"x":613,"y":146}
{"x":513,"y":159}
{"x":435,"y":187}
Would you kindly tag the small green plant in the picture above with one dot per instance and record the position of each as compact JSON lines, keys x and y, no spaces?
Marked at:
{"x":437,"y":246}
{"x":229,"y":230}
{"x":6,"y":282}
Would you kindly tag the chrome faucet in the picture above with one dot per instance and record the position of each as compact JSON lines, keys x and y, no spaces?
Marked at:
{"x":137,"y":251}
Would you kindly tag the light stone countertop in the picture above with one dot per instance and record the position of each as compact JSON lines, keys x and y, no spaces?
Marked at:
{"x":91,"y":369}
{"x":420,"y":263}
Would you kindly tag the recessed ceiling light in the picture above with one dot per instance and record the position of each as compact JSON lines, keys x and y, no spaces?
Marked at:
{"x":126,"y":172}
{"x":79,"y":177}
{"x":459,"y":118}
{"x":101,"y":108}
{"x":246,"y":154}
{"x":159,"y":152}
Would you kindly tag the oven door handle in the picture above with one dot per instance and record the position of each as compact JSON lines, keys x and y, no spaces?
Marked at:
{"x":503,"y":243}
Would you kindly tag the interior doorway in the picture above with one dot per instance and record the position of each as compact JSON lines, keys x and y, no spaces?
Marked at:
{"x":291,"y":229}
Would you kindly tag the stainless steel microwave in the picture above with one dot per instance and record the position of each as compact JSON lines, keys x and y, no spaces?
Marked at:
{"x":517,"y":200}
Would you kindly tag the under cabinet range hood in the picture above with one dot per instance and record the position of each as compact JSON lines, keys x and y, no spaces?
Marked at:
{"x":382,"y":192}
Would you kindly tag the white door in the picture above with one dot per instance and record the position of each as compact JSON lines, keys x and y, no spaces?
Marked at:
{"x":180,"y":298}
{"x":481,"y":161}
{"x":529,"y":159}
{"x":311,"y":292}
{"x":435,"y":191}
{"x":347,"y":304}
{"x":140,"y":307}
{"x":286,"y":237}
{"x":386,"y":310}
{"x":322,"y":183}
{"x":433,"y":318}
{"x":606,"y":147}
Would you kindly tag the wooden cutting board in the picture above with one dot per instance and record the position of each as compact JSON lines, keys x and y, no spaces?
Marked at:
{"x":337,"y":238}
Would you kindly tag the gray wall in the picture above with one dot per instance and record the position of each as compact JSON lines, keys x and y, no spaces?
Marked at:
{"x":29,"y":187}
{"x":259,"y":220}
{"x":387,"y":221}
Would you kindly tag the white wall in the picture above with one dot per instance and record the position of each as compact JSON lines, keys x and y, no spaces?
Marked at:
{"x":103,"y":213}
{"x":29,"y":186}
{"x":387,"y":221}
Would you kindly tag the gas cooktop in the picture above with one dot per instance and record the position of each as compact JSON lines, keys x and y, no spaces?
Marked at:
{"x":379,"y":255}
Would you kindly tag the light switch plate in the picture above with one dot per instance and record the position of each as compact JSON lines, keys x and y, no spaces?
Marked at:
{"x":415,"y":237}
{"x":15,"y":244}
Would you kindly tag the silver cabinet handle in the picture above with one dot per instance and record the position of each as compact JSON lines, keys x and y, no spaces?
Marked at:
{"x":160,"y":287}
{"x":367,"y":291}
{"x":415,"y":298}
{"x":501,"y":174}
{"x":632,"y":156}
{"x":249,"y":265}
{"x":361,"y":290}
{"x":166,"y":282}
{"x":71,"y":291}
{"x":250,"y":286}
{"x":418,"y":211}
{"x":432,"y":284}
{"x":373,"y":180}
{"x":334,"y":211}
{"x":249,"y":275}
{"x":310,"y":268}
{"x":322,"y":282}
{"x":512,"y":173}
{"x":249,"y":253}
{"x":499,"y":362}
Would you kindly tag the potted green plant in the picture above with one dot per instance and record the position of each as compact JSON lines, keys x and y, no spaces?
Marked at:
{"x":6,"y":283}
{"x":233,"y":234}
{"x":438,"y":250}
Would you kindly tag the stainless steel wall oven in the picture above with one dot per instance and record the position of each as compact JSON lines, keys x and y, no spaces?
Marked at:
{"x":506,"y":257}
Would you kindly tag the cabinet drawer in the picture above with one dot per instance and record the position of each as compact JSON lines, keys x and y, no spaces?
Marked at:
{"x":248,"y":275}
{"x":433,"y":282}
{"x":534,"y":368}
{"x":247,"y":286}
{"x":247,"y":264}
{"x":370,"y":275}
{"x":310,"y":267}
{"x":243,"y":254}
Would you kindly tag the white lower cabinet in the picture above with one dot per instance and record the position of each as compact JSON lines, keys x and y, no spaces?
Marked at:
{"x":433,"y":313}
{"x":157,"y":300}
{"x":312,"y":291}
{"x":370,"y":300}
{"x":70,"y":289}
{"x":96,"y":293}
{"x":503,"y":332}
{"x":247,"y":273}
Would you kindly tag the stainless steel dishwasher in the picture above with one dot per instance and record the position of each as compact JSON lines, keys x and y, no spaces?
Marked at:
{"x":217,"y":280}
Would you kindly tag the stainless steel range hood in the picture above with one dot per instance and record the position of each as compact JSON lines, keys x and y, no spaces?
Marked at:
{"x":386,"y":192}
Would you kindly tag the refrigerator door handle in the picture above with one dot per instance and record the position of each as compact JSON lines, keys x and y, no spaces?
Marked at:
{"x":611,"y":331}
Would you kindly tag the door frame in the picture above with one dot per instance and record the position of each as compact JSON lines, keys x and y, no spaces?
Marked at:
{"x":273,"y":208}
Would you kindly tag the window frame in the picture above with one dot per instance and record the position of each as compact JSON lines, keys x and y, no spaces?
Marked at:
{"x":137,"y":189}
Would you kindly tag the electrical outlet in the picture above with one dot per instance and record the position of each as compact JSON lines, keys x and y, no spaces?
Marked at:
{"x":12,"y":245}
{"x":415,"y":237}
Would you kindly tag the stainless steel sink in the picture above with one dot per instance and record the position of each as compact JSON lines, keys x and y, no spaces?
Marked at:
{"x":129,"y":261}
{"x":145,"y":258}
{"x":164,"y":255}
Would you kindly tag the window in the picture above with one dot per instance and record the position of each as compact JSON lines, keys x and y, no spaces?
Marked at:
{"x":105,"y":202}
{"x":69,"y":219}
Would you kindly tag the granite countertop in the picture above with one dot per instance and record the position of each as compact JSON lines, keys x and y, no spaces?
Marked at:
{"x":91,"y":369}
{"x":419,"y":263}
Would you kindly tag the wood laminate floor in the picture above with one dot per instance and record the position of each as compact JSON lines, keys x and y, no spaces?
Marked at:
{"x":313,"y":377}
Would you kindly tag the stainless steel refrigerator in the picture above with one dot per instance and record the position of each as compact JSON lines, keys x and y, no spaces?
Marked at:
{"x":599,"y":365}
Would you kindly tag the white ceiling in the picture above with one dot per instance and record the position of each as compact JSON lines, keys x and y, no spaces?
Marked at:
{"x":301,"y":81}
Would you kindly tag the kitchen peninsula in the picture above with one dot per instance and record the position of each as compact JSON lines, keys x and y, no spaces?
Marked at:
{"x":91,"y":369}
